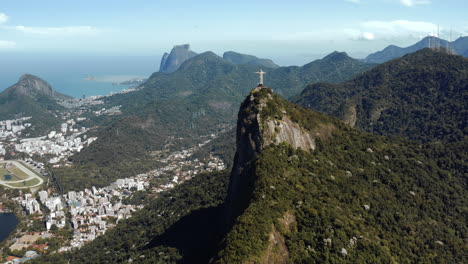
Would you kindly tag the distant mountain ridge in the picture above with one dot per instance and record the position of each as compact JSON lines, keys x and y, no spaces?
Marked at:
{"x":171,"y":62}
{"x":239,"y":58}
{"x":179,"y":54}
{"x":421,"y":96}
{"x":459,"y":46}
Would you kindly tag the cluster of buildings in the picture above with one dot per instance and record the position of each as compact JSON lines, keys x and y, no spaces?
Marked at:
{"x":182,"y":168}
{"x":2,"y":150}
{"x":111,"y":111}
{"x":57,"y":144}
{"x":13,"y":128}
{"x":27,"y":256}
{"x":94,"y":211}
{"x":91,"y":212}
{"x":81,"y":103}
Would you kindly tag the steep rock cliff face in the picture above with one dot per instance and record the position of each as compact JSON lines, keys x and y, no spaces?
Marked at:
{"x":265,"y":119}
{"x":179,"y":54}
{"x":307,"y":188}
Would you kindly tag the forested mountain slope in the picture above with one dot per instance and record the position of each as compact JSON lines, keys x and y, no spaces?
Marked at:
{"x":421,"y":96}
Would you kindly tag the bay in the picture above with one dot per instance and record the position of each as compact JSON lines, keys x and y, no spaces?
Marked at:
{"x":77,"y":75}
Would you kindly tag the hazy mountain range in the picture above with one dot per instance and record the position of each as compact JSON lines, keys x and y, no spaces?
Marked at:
{"x":459,"y":46}
{"x":424,"y":91}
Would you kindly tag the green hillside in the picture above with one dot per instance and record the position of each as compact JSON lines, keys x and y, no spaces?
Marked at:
{"x":200,"y":98}
{"x":421,"y":96}
{"x":348,"y":197}
{"x":31,"y":96}
{"x":381,"y":201}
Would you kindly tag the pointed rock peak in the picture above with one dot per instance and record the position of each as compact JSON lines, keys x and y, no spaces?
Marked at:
{"x":264,"y":119}
{"x":33,"y":86}
{"x":278,"y":121}
{"x":27,"y":76}
{"x":163,"y":60}
{"x":204,"y":58}
{"x":32,"y":82}
{"x":336,"y":56}
{"x":179,"y":54}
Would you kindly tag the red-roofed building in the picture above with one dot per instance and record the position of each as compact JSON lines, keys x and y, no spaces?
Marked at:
{"x":11,"y":258}
{"x":40,"y":247}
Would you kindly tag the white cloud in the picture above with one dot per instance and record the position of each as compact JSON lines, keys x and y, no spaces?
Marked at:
{"x":354,"y":1}
{"x":5,"y":44}
{"x":411,"y":3}
{"x":367,"y":36}
{"x":71,"y":31}
{"x":358,"y":35}
{"x":400,"y":26}
{"x":3,"y":18}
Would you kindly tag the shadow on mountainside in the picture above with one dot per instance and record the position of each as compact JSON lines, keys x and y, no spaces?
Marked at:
{"x":195,"y":235}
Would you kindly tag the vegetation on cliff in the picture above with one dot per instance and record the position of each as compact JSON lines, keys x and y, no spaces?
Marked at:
{"x":357,"y":198}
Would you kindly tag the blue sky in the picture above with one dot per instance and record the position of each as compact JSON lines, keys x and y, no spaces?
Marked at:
{"x":289,"y":32}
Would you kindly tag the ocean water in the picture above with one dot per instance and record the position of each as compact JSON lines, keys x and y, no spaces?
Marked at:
{"x":8,"y":223}
{"x":67,"y":73}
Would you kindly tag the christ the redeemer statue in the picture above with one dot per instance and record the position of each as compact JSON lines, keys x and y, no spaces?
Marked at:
{"x":260,"y":74}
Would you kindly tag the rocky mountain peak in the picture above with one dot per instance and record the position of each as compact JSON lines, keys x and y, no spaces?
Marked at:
{"x":32,"y":86}
{"x":336,"y":56}
{"x":265,"y":118}
{"x":179,"y":54}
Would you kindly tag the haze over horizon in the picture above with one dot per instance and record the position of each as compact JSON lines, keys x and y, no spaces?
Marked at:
{"x":291,"y":33}
{"x":129,"y":38}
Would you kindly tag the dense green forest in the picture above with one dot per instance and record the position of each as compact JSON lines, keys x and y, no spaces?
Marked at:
{"x":412,"y":204}
{"x":421,"y":96}
{"x":357,"y":198}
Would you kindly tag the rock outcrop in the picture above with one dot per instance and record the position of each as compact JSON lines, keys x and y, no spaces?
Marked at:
{"x":179,"y":54}
{"x":256,"y":129}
